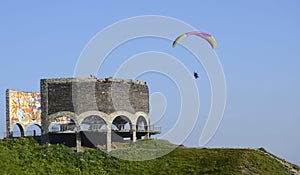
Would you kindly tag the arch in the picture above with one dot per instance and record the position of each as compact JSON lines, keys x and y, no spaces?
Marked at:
{"x":121,"y":123}
{"x":93,"y":123}
{"x":143,"y":114}
{"x":33,"y":130}
{"x":62,"y":121}
{"x":141,"y":124}
{"x":93,"y":128}
{"x":63,"y":113}
{"x":19,"y":133}
{"x":111,"y":117}
{"x":84,"y":115}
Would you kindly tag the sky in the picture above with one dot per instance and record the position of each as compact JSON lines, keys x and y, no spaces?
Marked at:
{"x":257,"y":48}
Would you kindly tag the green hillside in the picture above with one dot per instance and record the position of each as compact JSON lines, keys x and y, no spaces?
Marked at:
{"x":26,"y":156}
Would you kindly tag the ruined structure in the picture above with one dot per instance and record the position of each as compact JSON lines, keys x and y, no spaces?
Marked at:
{"x":83,"y":111}
{"x":91,"y":111}
{"x":22,"y":109}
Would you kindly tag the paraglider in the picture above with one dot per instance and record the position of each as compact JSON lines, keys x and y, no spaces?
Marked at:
{"x":210,"y":39}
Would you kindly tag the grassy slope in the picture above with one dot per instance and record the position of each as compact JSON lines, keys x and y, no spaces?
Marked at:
{"x":25,"y":156}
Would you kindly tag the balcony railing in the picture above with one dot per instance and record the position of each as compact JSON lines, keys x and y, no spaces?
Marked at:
{"x":156,"y":129}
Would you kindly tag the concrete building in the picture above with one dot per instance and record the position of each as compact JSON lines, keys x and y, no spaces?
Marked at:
{"x":82,"y":112}
{"x":94,"y":112}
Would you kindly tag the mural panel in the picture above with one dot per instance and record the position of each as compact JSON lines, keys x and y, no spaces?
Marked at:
{"x":24,"y":107}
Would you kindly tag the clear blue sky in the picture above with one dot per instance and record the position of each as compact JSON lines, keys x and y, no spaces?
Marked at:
{"x":258,"y":45}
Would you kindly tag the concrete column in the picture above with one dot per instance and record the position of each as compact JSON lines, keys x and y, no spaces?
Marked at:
{"x":22,"y":131}
{"x":134,"y":136}
{"x":108,"y":140}
{"x":78,"y":141}
{"x":147,"y":136}
{"x":45,"y":123}
{"x":9,"y":126}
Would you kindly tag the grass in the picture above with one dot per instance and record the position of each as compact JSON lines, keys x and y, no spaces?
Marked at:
{"x":26,"y":156}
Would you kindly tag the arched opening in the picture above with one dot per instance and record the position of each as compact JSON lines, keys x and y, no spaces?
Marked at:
{"x":33,"y":130}
{"x":121,"y":123}
{"x":93,"y":131}
{"x":121,"y":127}
{"x":93,"y":123}
{"x":62,"y":129}
{"x":141,"y":124}
{"x":18,"y":131}
{"x":63,"y":123}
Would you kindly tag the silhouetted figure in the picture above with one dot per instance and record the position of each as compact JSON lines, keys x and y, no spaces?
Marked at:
{"x":196,"y":75}
{"x":93,"y":76}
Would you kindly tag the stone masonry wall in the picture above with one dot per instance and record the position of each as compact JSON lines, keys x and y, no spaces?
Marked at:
{"x":87,"y":94}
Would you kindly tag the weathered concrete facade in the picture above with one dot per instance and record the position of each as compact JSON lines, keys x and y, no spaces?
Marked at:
{"x":79,"y":95}
{"x":115,"y":107}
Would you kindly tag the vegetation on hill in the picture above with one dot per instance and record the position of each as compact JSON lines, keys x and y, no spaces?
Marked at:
{"x":26,"y":156}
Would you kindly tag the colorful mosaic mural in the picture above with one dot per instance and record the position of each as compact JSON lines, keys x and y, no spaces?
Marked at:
{"x":24,"y":107}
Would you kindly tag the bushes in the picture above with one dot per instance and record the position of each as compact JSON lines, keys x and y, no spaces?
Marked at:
{"x":262,"y":149}
{"x":26,"y":156}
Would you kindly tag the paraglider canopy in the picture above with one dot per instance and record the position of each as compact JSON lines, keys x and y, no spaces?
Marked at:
{"x":210,"y":39}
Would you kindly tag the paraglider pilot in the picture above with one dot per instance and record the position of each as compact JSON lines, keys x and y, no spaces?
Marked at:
{"x":196,"y":75}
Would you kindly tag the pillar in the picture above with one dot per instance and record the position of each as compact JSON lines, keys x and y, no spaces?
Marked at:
{"x":108,"y":140}
{"x":78,"y":141}
{"x":134,"y":136}
{"x":147,"y":136}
